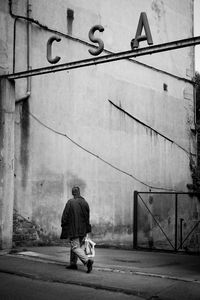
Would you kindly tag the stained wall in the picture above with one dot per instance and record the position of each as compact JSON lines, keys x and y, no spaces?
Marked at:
{"x":111,"y":128}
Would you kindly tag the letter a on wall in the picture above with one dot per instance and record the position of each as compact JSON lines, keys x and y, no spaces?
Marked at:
{"x":143,"y":23}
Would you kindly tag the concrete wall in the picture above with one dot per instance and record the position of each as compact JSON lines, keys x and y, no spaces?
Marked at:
{"x":73,"y":106}
{"x":7,"y":113}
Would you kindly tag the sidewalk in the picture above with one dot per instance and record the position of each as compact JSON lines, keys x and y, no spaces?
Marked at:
{"x":139,"y":273}
{"x":177,"y":266}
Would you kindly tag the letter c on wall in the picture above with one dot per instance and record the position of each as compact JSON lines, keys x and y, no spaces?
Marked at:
{"x":49,"y":50}
{"x":96,"y":40}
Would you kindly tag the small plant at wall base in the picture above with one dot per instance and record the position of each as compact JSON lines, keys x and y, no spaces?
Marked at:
{"x":195,"y":168}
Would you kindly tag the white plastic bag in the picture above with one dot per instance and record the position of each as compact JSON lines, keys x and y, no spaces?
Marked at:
{"x":89,"y":247}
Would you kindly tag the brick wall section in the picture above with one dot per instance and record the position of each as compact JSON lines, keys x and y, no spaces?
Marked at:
{"x":28,"y":233}
{"x":24,"y":231}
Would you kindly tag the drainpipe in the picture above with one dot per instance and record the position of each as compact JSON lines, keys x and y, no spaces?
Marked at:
{"x":29,"y":13}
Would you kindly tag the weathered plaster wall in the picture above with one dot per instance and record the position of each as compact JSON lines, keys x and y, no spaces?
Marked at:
{"x":6,"y":133}
{"x":74,"y":106}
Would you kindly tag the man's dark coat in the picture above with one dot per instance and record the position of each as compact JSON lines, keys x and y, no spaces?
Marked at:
{"x":75,"y":218}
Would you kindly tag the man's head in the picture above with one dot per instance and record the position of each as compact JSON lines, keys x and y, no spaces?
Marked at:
{"x":76,"y":191}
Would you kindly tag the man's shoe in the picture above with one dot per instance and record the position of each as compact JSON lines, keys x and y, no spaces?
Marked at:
{"x":89,"y":265}
{"x":72,"y":267}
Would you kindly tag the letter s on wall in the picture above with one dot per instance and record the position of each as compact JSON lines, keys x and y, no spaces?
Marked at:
{"x":49,"y":50}
{"x":96,"y":40}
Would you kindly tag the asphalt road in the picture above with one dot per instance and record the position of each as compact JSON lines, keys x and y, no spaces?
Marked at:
{"x":14,"y":287}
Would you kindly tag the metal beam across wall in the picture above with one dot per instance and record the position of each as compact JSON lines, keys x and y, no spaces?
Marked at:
{"x":106,"y":58}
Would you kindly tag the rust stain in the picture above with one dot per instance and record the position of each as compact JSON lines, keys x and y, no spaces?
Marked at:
{"x":24,"y":153}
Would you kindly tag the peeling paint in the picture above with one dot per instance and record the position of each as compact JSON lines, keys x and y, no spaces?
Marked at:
{"x":158,"y":7}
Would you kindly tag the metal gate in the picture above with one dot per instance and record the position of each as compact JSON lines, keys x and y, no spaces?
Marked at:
{"x":166,"y":221}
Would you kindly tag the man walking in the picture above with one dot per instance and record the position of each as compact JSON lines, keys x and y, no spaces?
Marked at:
{"x":75,"y":225}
